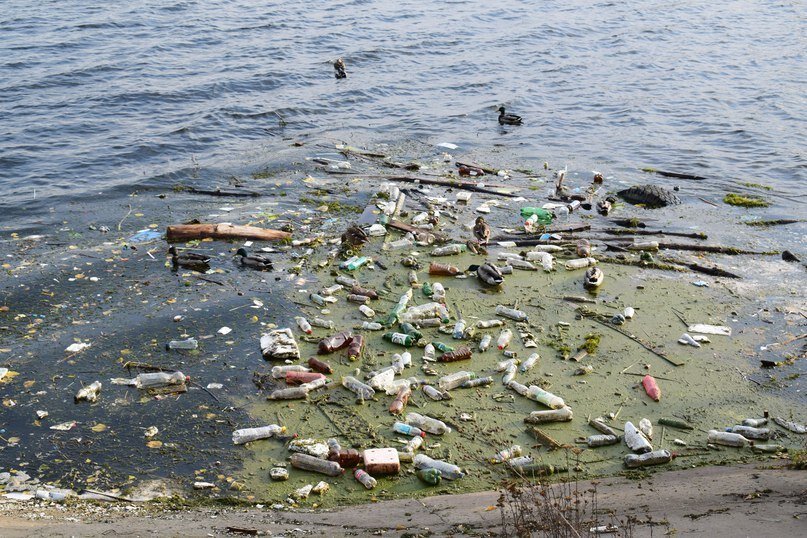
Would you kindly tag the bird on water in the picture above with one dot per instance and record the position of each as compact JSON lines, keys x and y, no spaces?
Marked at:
{"x":508,"y":119}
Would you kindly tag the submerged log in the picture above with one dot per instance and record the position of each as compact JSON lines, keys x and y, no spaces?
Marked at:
{"x":186,"y":232}
{"x":676,"y":175}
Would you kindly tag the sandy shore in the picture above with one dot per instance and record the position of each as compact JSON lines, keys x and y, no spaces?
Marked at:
{"x":743,"y":500}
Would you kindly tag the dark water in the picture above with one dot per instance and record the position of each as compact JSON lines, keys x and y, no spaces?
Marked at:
{"x":96,"y":97}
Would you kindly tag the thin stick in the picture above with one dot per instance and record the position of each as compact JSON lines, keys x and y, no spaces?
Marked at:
{"x":124,"y":217}
{"x":655,"y":376}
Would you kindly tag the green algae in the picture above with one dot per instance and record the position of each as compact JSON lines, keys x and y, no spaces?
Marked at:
{"x":744,"y":201}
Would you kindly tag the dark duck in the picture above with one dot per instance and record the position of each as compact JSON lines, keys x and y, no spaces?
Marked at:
{"x":508,"y":119}
{"x":253,"y":261}
{"x":482,"y":230}
{"x":189,"y":260}
{"x":489,"y":274}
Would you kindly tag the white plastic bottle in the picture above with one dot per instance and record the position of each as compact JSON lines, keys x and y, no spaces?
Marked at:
{"x":511,"y":313}
{"x":159,"y":379}
{"x":547,"y":398}
{"x":248,"y":435}
{"x":504,"y":339}
{"x":448,"y":470}
{"x":428,"y":424}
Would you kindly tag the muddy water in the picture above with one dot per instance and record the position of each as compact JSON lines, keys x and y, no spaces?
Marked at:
{"x":79,"y":284}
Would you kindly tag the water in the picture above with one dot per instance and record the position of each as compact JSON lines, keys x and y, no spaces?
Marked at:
{"x":101,"y":100}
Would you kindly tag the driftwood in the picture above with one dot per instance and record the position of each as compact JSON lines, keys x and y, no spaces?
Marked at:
{"x":219,"y":192}
{"x":526,"y":236}
{"x":453,"y":184}
{"x":599,"y":318}
{"x":485,"y":169}
{"x":404,"y":227}
{"x":672,"y":174}
{"x":543,"y":438}
{"x":719,"y":249}
{"x":777,"y":222}
{"x":620,"y":231}
{"x":714,"y":271}
{"x":186,"y":232}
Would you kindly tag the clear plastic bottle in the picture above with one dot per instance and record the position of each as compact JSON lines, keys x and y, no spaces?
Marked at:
{"x":489,"y":324}
{"x":449,"y":250}
{"x":365,"y":479}
{"x":429,"y":353}
{"x":511,"y":313}
{"x":504,"y":339}
{"x":358,"y":299}
{"x":452,"y":381}
{"x":448,"y":471}
{"x":427,"y":423}
{"x":755,"y":422}
{"x":579,"y":263}
{"x":347,"y":281}
{"x":438,"y":292}
{"x":367,"y":311}
{"x":280,"y":371}
{"x":594,"y":441}
{"x":190,"y":343}
{"x":564,"y":414}
{"x":330,"y":290}
{"x":484,"y":344}
{"x":315,"y":384}
{"x":510,"y":374}
{"x":478,"y":382}
{"x":399,"y":244}
{"x":727,"y":439}
{"x":459,"y":330}
{"x":434,"y":393}
{"x":89,"y":393}
{"x":303,"y":324}
{"x":371,"y":325}
{"x":317,"y":465}
{"x":518,"y":387}
{"x":406,"y":429}
{"x":248,"y":435}
{"x":656,"y":457}
{"x":291,"y":393}
{"x":602,"y":427}
{"x":547,"y":398}
{"x":518,"y":263}
{"x":749,"y":432}
{"x":364,"y":392}
{"x":159,"y":379}
{"x":528,"y":364}
{"x":323,"y":323}
{"x":406,"y":359}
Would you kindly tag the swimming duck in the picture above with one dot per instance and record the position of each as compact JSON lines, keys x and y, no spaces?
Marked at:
{"x":489,"y":274}
{"x":189,"y":260}
{"x":482,"y":230}
{"x":475,"y":247}
{"x":594,"y":277}
{"x":339,"y":68}
{"x":508,"y":119}
{"x":254,"y":261}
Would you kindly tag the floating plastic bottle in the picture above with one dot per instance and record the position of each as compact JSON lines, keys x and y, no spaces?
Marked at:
{"x":518,"y":387}
{"x":461,"y":354}
{"x":400,"y":339}
{"x":317,"y":465}
{"x":602,"y":427}
{"x":345,"y":457}
{"x":323,"y":323}
{"x":159,"y":379}
{"x":188,"y":344}
{"x":434,"y":393}
{"x":318,"y":299}
{"x":412,"y":277}
{"x":506,"y":454}
{"x":406,"y":429}
{"x":528,"y":364}
{"x":489,"y":324}
{"x":452,"y":381}
{"x":427,"y":289}
{"x":447,"y":470}
{"x":504,"y":339}
{"x":429,"y":353}
{"x":656,"y":457}
{"x":347,"y":281}
{"x":579,"y":263}
{"x":320,"y":366}
{"x":438,"y":292}
{"x":510,"y":374}
{"x":511,"y":313}
{"x":459,"y":330}
{"x":727,"y":439}
{"x":443,"y":269}
{"x":399,"y":244}
{"x":406,"y":359}
{"x":353,"y":264}
{"x":635,"y":440}
{"x":371,"y":325}
{"x":629,"y":312}
{"x":400,"y":401}
{"x":755,"y":422}
{"x":594,"y":441}
{"x":427,"y":423}
{"x":545,"y":258}
{"x":359,"y":299}
{"x":365,"y":479}
{"x":478,"y":382}
{"x":518,"y":263}
{"x":564,"y":414}
{"x":330,"y":290}
{"x":366,"y":310}
{"x":280,"y":371}
{"x":449,"y":250}
{"x":484,"y":344}
{"x":443,"y":348}
{"x":749,"y":432}
{"x":334,"y":343}
{"x":291,"y":393}
{"x":382,"y":380}
{"x":651,"y":387}
{"x":430,"y":476}
{"x":247,"y":435}
{"x":333,"y":445}
{"x":298,"y":378}
{"x":355,"y":347}
{"x":364,"y":392}
{"x":547,"y":398}
{"x":89,"y":393}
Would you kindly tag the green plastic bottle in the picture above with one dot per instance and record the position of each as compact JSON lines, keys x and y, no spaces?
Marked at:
{"x":430,"y":475}
{"x":443,"y":348}
{"x":408,"y":328}
{"x":544,"y":216}
{"x":427,"y":289}
{"x":355,"y":264}
{"x":399,"y":338}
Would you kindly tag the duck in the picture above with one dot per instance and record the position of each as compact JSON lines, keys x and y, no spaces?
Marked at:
{"x":339,"y":68}
{"x":482,"y":230}
{"x":475,"y":247}
{"x":508,"y":119}
{"x":593,"y":279}
{"x":489,"y":274}
{"x":254,"y":261}
{"x":189,"y":260}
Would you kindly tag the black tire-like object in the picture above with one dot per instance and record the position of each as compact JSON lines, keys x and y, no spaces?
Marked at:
{"x":650,"y":196}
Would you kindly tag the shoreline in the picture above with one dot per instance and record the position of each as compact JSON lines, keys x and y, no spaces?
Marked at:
{"x":735,"y":500}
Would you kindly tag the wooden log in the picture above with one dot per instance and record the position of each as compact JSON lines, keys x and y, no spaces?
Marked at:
{"x":219,"y":192}
{"x":676,"y":175}
{"x":719,"y":249}
{"x":543,"y":438}
{"x":453,"y":184}
{"x":404,"y":227}
{"x":620,"y":231}
{"x":186,"y":232}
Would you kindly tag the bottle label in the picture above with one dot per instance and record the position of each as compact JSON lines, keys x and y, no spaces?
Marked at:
{"x":398,"y":338}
